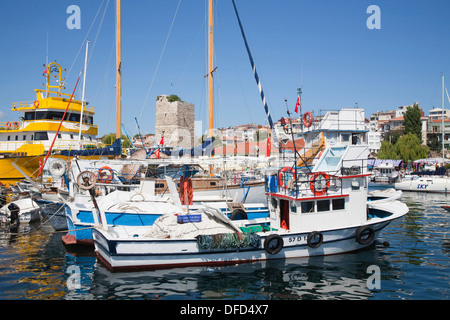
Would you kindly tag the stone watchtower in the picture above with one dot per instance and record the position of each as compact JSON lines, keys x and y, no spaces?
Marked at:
{"x":175,"y":120}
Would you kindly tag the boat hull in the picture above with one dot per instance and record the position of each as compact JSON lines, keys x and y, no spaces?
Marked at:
{"x":125,"y":254}
{"x":425,"y":184}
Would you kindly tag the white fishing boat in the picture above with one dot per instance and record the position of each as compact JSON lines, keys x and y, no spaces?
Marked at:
{"x":312,"y":212}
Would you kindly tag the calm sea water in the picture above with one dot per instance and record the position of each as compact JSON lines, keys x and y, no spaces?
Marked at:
{"x":34,"y":264}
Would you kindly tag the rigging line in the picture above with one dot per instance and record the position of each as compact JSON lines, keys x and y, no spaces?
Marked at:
{"x":255,"y":74}
{"x":98,"y":31}
{"x":84,"y":40}
{"x":160,"y":58}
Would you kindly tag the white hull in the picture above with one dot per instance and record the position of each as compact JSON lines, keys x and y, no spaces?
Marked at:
{"x":118,"y":251}
{"x":425,"y":184}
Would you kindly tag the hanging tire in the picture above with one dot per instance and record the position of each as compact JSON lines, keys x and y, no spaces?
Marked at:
{"x":312,"y":240}
{"x":273,"y":244}
{"x":238,"y":214}
{"x":364,"y":235}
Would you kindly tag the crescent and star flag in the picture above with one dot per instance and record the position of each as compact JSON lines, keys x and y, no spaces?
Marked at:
{"x":297,"y":104}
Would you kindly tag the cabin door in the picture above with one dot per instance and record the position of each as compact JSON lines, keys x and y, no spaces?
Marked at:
{"x":284,"y":214}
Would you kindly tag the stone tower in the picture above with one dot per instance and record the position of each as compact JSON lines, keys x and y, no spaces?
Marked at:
{"x":175,"y":120}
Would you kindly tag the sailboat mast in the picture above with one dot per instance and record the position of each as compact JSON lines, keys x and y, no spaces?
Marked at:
{"x":118,"y":76}
{"x":443,"y":127}
{"x":83,"y":100}
{"x":210,"y":70}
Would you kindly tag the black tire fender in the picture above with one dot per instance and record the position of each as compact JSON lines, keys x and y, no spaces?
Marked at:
{"x":361,"y":233}
{"x":273,"y":244}
{"x":238,"y":214}
{"x":312,"y":236}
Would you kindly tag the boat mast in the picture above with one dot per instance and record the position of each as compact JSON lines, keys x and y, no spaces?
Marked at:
{"x":210,"y":70}
{"x":83,"y":102}
{"x":118,"y":75}
{"x":443,"y":127}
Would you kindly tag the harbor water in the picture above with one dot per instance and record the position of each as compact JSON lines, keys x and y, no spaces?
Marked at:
{"x":410,"y":261}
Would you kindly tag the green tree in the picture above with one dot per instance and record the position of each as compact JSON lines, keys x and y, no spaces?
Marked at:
{"x":387,"y":151}
{"x":108,"y":139}
{"x":412,"y":121}
{"x":409,"y":147}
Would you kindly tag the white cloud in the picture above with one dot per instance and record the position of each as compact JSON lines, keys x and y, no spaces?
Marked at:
{"x":2,"y":115}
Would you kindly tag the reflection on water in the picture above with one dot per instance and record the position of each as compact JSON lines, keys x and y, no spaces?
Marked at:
{"x":412,"y":255}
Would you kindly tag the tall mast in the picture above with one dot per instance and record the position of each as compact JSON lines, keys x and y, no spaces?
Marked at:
{"x":443,"y":127}
{"x":210,"y":70}
{"x":83,"y":101}
{"x":118,"y":76}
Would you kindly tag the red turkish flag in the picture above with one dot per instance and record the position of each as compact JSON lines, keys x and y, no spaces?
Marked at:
{"x":297,"y":104}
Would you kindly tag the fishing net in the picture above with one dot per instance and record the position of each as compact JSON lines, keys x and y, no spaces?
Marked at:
{"x":228,"y":240}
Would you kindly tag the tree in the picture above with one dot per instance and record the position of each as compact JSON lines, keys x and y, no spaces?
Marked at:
{"x":409,"y":147}
{"x":110,"y":138}
{"x":387,"y":151}
{"x":412,"y":121}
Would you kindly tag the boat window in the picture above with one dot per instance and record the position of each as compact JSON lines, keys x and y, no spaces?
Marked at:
{"x":338,"y":204}
{"x":30,"y":115}
{"x":345,"y":137}
{"x":159,"y":185}
{"x":24,"y":137}
{"x":40,"y":136}
{"x":323,"y":205}
{"x":307,"y":206}
{"x":17,"y":138}
{"x":9,"y":138}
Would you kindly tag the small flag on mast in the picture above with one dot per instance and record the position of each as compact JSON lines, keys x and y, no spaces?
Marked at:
{"x":297,"y":104}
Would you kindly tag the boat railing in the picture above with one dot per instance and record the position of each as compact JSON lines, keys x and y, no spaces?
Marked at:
{"x":296,"y":182}
{"x":60,"y":144}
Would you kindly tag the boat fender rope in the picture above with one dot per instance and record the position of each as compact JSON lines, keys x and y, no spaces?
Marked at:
{"x":312,"y":239}
{"x":273,"y":244}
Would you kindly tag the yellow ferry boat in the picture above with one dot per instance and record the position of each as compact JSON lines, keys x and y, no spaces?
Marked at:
{"x":27,"y":141}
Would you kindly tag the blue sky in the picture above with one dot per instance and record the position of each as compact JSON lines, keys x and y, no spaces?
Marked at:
{"x":324,"y":46}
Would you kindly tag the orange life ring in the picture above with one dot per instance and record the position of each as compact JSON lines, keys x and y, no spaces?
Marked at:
{"x":36,"y":103}
{"x":316,"y":185}
{"x":186,"y":187}
{"x":280,"y":176}
{"x":104,"y":171}
{"x":308,"y":119}
{"x":16,"y":125}
{"x":8,"y":125}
